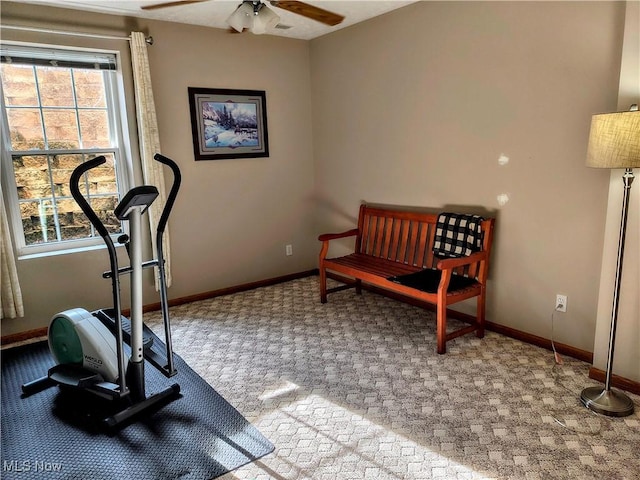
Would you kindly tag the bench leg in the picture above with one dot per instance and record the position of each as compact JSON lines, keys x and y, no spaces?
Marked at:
{"x":480,"y":314}
{"x":323,"y":285}
{"x":441,"y":326}
{"x":358,"y":286}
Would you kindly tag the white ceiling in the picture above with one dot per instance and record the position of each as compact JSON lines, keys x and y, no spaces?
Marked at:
{"x":213,"y":13}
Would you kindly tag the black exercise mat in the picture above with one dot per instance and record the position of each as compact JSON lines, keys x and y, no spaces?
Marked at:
{"x":198,"y":436}
{"x":428,"y":281}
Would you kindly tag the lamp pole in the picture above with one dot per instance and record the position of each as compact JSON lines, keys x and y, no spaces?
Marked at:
{"x":614,"y":142}
{"x":605,"y":400}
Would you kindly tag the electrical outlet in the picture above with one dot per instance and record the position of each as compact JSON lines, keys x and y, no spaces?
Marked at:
{"x":561,"y":303}
{"x":288,"y":249}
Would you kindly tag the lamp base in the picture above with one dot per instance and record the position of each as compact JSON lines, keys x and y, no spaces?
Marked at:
{"x":607,"y":402}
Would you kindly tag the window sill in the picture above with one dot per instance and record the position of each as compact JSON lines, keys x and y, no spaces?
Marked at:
{"x":66,"y":251}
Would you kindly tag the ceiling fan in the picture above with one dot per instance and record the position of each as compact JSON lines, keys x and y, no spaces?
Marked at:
{"x":254,"y":15}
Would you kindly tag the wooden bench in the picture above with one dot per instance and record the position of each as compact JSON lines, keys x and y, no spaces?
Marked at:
{"x":393,"y":242}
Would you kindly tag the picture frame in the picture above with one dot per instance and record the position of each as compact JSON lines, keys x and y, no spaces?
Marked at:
{"x":227,"y":123}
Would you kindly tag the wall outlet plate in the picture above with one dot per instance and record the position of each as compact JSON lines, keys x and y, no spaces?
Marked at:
{"x":561,"y":303}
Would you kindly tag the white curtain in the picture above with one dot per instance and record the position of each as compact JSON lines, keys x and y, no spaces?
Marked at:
{"x":149,"y":140}
{"x":11,"y":298}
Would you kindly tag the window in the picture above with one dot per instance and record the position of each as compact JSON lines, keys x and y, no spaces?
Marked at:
{"x":59,"y":109}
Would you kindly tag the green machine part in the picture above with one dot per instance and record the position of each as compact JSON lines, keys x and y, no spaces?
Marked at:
{"x":64,"y":342}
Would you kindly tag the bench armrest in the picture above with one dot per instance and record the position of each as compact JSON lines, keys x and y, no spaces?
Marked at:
{"x":324,"y":238}
{"x":449,"y":263}
{"x":331,"y":236}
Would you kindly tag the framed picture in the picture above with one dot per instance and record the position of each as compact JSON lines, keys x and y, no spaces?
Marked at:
{"x":228,"y":123}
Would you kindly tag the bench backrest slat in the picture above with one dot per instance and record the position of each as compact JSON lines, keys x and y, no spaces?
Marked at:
{"x":421,"y":253}
{"x":394,"y":245}
{"x":404,"y":235}
{"x":378,"y":244}
{"x":414,"y":228}
{"x":386,"y":250}
{"x":407,"y":237}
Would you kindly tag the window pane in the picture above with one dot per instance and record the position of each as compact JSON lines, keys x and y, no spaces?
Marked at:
{"x":32,"y":176}
{"x":25,"y":127}
{"x":62,"y":167}
{"x":19,"y":84}
{"x":38,"y":221}
{"x":74,"y":224}
{"x":56,"y":89}
{"x":62,"y":128}
{"x":104,"y":207}
{"x":102,"y":179}
{"x":94,"y":128}
{"x":89,"y":88}
{"x":99,"y":180}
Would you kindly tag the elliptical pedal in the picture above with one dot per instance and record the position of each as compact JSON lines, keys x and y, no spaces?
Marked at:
{"x":107,"y":317}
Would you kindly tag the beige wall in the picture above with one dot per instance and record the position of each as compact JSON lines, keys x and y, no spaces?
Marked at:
{"x":235,"y":217}
{"x":416,"y":108}
{"x":412,"y":108}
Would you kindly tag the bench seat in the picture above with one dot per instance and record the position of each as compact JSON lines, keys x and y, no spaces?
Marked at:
{"x":393,"y":242}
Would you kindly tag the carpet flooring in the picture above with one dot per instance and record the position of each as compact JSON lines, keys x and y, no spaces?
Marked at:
{"x":353,"y":389}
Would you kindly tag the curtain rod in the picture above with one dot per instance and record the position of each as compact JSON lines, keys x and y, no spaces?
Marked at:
{"x":148,"y":40}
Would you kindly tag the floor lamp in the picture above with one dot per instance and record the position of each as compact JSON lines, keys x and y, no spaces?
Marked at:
{"x":614,"y":142}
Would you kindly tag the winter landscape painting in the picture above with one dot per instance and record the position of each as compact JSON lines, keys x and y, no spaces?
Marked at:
{"x":228,"y":123}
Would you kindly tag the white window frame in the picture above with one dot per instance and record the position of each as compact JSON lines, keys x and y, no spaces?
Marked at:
{"x":116,"y":107}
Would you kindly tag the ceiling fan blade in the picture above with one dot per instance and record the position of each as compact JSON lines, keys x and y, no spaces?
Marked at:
{"x":309,"y":11}
{"x":170,"y":4}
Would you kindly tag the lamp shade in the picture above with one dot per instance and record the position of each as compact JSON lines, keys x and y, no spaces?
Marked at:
{"x":614,"y":140}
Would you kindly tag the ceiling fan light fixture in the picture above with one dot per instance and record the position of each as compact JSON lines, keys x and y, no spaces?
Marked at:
{"x":254,"y":16}
{"x":242,"y":17}
{"x":265,"y":19}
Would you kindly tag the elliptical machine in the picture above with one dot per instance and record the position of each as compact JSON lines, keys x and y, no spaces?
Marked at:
{"x":89,"y":347}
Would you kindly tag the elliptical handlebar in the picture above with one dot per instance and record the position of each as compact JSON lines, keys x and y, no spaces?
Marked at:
{"x":162,"y":223}
{"x":74,"y":186}
{"x":173,"y":193}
